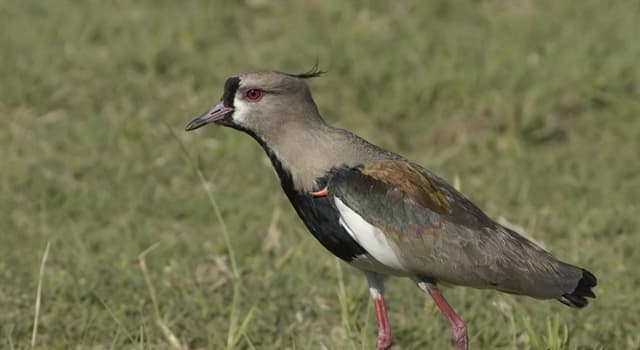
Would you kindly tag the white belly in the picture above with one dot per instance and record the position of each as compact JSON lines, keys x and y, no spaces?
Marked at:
{"x":371,"y":238}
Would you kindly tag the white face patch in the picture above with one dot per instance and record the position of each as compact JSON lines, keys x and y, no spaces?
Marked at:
{"x":240,"y":111}
{"x":371,"y":238}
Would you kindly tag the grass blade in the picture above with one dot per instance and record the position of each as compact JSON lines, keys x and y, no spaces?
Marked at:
{"x":43,"y":262}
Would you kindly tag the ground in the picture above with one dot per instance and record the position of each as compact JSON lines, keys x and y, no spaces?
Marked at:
{"x":531,"y":108}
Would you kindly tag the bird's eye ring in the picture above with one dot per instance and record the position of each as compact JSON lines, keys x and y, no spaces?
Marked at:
{"x":253,"y":94}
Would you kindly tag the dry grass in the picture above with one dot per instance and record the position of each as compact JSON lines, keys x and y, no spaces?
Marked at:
{"x":36,"y":316}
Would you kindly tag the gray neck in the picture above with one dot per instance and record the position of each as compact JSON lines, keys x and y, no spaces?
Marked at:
{"x":308,"y":152}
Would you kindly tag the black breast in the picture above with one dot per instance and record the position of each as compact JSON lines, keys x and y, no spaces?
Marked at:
{"x":321,"y":218}
{"x":318,"y":214}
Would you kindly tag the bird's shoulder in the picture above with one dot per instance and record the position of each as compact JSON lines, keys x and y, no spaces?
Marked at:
{"x":396,"y":184}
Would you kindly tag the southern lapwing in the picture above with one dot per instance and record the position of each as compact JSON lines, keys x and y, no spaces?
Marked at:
{"x":382,"y":213}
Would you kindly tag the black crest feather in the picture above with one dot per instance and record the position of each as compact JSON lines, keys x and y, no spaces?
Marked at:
{"x":311,"y":73}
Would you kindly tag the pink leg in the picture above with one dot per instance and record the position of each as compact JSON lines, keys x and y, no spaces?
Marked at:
{"x":376,"y":288}
{"x":458,"y":329}
{"x":384,"y":332}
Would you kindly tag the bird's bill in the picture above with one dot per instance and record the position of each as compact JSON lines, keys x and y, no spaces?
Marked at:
{"x":214,"y":115}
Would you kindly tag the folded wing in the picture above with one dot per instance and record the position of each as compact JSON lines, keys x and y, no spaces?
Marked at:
{"x":411,"y":220}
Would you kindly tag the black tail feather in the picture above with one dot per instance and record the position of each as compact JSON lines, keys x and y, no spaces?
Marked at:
{"x":578,"y":298}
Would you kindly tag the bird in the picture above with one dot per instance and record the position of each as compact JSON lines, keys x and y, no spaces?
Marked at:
{"x":382,"y":213}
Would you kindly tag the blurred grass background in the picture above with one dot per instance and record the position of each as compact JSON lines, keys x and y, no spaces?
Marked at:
{"x":532,"y":107}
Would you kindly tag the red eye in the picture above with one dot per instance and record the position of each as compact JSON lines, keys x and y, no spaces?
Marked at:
{"x":253,"y":94}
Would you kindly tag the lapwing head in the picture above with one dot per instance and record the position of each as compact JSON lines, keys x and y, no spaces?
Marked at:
{"x":261,"y":103}
{"x":277,"y":110}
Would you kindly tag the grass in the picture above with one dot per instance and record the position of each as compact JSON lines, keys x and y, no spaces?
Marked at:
{"x":532,"y":107}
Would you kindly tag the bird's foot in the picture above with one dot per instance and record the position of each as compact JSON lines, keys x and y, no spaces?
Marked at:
{"x":459,"y":333}
{"x":384,"y":341}
{"x":322,"y":193}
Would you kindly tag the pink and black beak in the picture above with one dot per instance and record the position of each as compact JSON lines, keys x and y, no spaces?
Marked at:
{"x":214,"y":115}
{"x":218,"y":114}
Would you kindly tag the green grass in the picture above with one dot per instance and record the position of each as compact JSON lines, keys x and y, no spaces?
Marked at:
{"x":533,"y":107}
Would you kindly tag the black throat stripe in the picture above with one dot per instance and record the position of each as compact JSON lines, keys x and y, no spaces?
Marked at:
{"x":318,"y":214}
